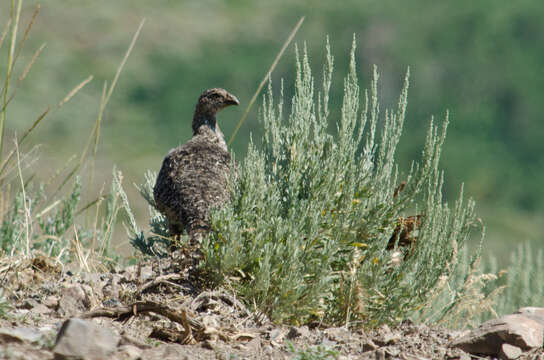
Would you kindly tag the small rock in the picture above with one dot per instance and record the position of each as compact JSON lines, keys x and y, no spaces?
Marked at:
{"x":326,"y":343}
{"x":78,"y":338}
{"x":19,"y":335}
{"x":277,"y":335}
{"x":211,"y":321}
{"x":73,"y":301}
{"x":368,"y":345}
{"x":417,"y":357}
{"x":41,"y":309}
{"x":27,"y":304}
{"x":379,"y":354}
{"x":254,"y":345}
{"x":488,"y":338}
{"x":111,"y":288}
{"x":146,"y":272}
{"x":127,"y":339}
{"x":392,"y":351}
{"x":509,"y":352}
{"x":129,"y":352}
{"x":339,"y":334}
{"x":387,"y":337}
{"x":302,"y":331}
{"x":51,"y":301}
{"x":111,"y":303}
{"x":208,"y":344}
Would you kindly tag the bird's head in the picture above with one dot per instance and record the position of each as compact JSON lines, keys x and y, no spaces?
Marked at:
{"x":209,"y":103}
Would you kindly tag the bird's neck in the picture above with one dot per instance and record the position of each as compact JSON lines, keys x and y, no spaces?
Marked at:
{"x":204,"y":120}
{"x":207,"y":127}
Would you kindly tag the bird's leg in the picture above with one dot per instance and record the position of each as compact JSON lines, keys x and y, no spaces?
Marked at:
{"x":175,"y":230}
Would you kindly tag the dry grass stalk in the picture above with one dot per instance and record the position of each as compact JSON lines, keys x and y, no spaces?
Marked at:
{"x":266,"y":77}
{"x":15,"y":21}
{"x":5,"y":32}
{"x":75,"y":91}
{"x":28,"y":215}
{"x":27,"y":31}
{"x":95,"y":133}
{"x":23,"y":75}
{"x":78,"y":247}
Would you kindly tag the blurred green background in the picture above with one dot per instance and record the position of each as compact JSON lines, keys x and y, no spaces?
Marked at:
{"x":483,"y":61}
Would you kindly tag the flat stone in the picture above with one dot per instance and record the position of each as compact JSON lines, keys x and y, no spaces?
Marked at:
{"x":79,"y":338}
{"x":129,"y":352}
{"x":535,"y":313}
{"x":19,"y":335}
{"x":516,"y":329}
{"x":41,"y":309}
{"x":509,"y":352}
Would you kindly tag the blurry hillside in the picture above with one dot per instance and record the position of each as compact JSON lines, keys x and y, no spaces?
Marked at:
{"x":481,"y":60}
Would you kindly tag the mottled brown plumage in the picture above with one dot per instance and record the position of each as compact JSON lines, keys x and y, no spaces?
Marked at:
{"x":193,"y":176}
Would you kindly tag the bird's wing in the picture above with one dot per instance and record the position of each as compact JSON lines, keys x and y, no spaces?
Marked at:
{"x":192,"y":179}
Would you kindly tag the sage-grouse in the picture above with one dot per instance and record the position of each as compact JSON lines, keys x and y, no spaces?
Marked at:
{"x":193,"y":176}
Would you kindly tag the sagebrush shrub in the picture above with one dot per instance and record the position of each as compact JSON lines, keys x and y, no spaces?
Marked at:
{"x":312,"y":213}
{"x":305,"y":236}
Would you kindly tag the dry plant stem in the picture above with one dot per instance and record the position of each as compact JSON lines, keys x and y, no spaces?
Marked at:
{"x":47,"y":209}
{"x":266,"y":77}
{"x":5,"y":32}
{"x":104,"y":101}
{"x":15,"y":20}
{"x":96,"y":215}
{"x":41,"y":117}
{"x":164,"y":279}
{"x":27,"y":31}
{"x":79,"y":251}
{"x":23,"y":75}
{"x":96,"y":132}
{"x":142,"y":307}
{"x":106,"y":98}
{"x":75,"y":91}
{"x":21,"y":140}
{"x":27,"y":209}
{"x":91,"y":204}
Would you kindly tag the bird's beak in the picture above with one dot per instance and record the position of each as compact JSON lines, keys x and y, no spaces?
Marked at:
{"x":232,"y":100}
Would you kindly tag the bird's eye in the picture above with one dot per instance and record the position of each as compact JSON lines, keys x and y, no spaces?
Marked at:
{"x":215,"y":96}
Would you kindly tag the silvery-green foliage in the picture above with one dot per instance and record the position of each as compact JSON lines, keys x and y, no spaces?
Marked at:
{"x":311,"y":215}
{"x":523,"y":278}
{"x":158,"y":242}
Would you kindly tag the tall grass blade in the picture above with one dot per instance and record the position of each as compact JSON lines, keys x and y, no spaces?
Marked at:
{"x":27,"y":31}
{"x":41,"y":117}
{"x":15,"y":21}
{"x":104,"y":101}
{"x":266,"y":77}
{"x":5,"y":32}
{"x":27,"y":216}
{"x":23,"y":75}
{"x":123,"y":62}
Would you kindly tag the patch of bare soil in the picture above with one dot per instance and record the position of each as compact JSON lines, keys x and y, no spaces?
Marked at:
{"x":157,"y":310}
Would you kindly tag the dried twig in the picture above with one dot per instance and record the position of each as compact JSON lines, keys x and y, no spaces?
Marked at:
{"x":164,"y":279}
{"x":179,"y":316}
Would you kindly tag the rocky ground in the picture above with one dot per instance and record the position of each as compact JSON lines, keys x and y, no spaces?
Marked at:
{"x":155,"y":311}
